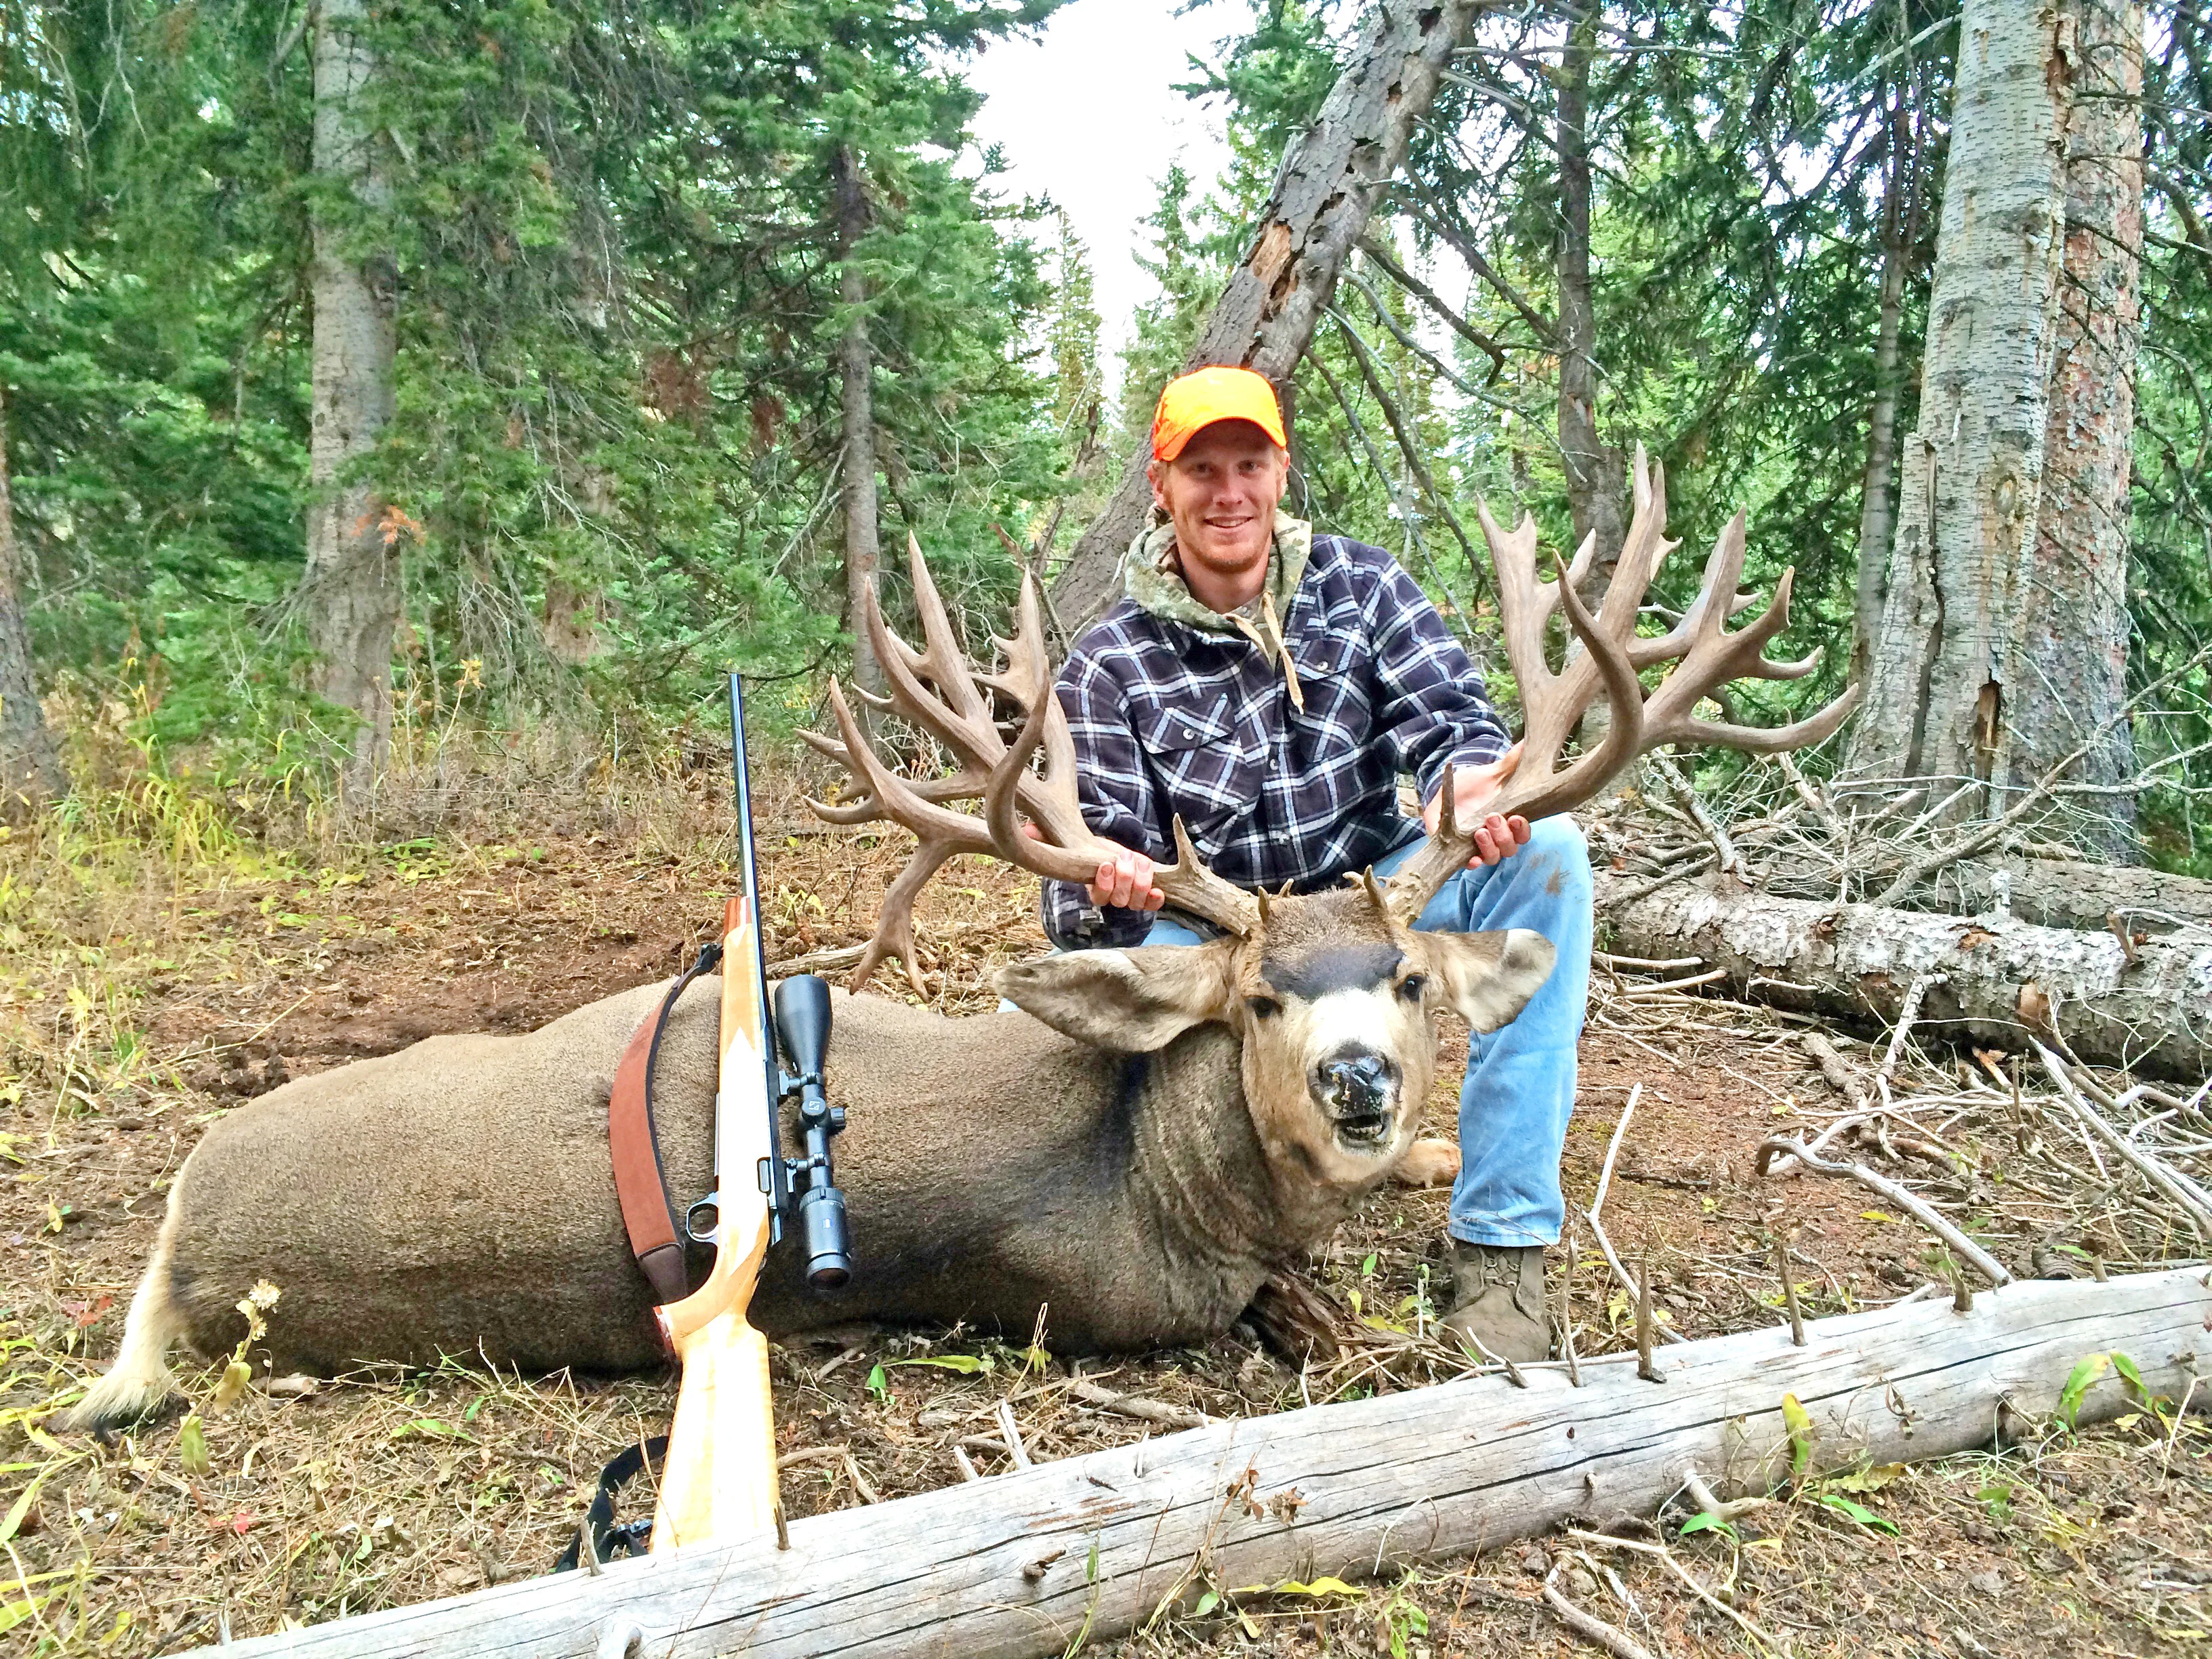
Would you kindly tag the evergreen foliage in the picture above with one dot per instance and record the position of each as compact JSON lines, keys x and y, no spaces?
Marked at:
{"x":617,"y":432}
{"x":614,"y":465}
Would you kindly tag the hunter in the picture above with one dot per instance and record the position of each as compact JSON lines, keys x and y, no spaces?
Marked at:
{"x":1271,"y":686}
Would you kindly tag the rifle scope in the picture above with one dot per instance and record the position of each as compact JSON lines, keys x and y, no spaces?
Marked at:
{"x":802,"y":1025}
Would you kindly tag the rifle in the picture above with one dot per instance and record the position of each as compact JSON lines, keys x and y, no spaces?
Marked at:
{"x":719,"y":1480}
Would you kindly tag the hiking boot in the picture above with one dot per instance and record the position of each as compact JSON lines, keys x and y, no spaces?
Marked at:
{"x":1498,"y":1299}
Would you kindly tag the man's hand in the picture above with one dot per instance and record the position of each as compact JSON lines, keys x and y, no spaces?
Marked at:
{"x":1474,"y":788}
{"x":1125,"y":881}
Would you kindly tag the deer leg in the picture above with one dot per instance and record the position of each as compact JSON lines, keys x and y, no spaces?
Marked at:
{"x":139,"y":1381}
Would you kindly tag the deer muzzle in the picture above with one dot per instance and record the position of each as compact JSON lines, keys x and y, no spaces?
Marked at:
{"x":1358,"y":1092}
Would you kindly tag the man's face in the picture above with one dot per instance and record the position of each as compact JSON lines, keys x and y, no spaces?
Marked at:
{"x":1220,"y":493}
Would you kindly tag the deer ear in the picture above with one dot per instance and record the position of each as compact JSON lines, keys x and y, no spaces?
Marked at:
{"x":1129,"y":1001}
{"x":1489,"y":977}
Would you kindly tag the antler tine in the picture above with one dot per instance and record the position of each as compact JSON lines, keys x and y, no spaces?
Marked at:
{"x":892,"y":796}
{"x":944,"y":662}
{"x":940,"y":833}
{"x":1541,"y":792}
{"x":1643,"y":548}
{"x":1524,"y":604}
{"x":1196,"y":890}
{"x":894,"y":934}
{"x":1723,"y":575}
{"x":949,"y":708}
{"x":1536,"y":795}
{"x":1707,"y":656}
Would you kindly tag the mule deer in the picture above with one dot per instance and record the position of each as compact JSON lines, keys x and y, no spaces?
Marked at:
{"x":1132,"y":1153}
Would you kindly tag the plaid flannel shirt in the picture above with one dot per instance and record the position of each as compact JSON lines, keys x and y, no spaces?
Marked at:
{"x":1170,"y":719}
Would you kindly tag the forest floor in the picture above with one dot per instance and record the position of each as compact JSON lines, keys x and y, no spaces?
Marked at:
{"x":141,"y":998}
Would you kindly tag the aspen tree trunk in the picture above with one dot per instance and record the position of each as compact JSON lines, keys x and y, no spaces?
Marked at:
{"x":1325,"y":190}
{"x":1596,"y":477}
{"x":2074,"y":640}
{"x":2000,"y":649}
{"x":856,"y":365}
{"x":350,"y":593}
{"x":30,"y":766}
{"x":1877,"y":503}
{"x":1972,"y":471}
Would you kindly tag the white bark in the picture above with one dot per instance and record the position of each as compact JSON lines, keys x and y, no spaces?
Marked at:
{"x":1945,"y":676}
{"x":30,"y":766}
{"x":2067,"y":893}
{"x":856,"y":370}
{"x":2153,"y":1011}
{"x":350,"y":593}
{"x":1015,"y":1565}
{"x":2073,"y":629}
{"x":1900,"y":214}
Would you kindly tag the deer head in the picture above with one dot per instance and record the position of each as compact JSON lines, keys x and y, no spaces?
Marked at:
{"x":1332,"y":995}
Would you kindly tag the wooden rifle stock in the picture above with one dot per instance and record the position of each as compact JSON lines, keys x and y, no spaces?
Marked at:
{"x":718,"y":1479}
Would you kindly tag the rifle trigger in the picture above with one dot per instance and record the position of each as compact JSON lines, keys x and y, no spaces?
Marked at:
{"x":711,"y":1204}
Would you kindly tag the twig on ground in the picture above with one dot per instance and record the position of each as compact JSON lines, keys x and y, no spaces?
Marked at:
{"x":1789,"y":1292}
{"x":1587,"y":1626}
{"x":1667,"y":1557}
{"x":1017,"y":1451}
{"x":1987,"y":1265}
{"x":1914,"y":995}
{"x":1612,"y":1149}
{"x":2195,"y":1205}
{"x":1144,"y":1410}
{"x":1728,"y":1509}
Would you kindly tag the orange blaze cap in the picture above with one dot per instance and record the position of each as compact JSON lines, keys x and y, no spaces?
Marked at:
{"x":1206,"y":395}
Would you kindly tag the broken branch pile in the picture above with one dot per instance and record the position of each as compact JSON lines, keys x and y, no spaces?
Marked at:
{"x":1869,"y":908}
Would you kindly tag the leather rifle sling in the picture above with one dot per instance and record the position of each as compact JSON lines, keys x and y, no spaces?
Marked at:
{"x":641,"y":1183}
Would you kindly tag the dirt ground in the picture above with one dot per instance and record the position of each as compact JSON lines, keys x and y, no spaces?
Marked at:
{"x":138,"y":1003}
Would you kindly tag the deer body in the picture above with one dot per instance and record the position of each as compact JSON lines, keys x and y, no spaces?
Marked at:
{"x":458,"y":1197}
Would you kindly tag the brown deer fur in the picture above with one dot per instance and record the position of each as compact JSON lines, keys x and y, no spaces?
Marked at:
{"x":1135,"y":1171}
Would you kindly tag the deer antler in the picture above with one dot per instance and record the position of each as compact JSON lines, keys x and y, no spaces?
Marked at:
{"x":940,"y":692}
{"x":1704,"y":657}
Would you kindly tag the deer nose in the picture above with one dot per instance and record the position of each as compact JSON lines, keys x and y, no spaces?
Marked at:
{"x":1356,"y":1084}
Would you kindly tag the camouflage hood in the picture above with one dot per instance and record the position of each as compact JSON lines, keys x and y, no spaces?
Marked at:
{"x":1152,"y":578}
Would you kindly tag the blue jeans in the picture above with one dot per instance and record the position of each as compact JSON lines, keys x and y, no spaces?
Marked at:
{"x":1519,"y":1086}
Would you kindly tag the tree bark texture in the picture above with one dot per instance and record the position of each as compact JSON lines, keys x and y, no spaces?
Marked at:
{"x":1597,"y":480}
{"x":856,"y":367}
{"x":1324,"y":192}
{"x":1941,"y":696}
{"x":1877,"y":500}
{"x":350,"y":593}
{"x":2074,"y":632}
{"x":1016,"y":1565}
{"x":2049,"y":892}
{"x":2147,"y":1006}
{"x":30,"y":766}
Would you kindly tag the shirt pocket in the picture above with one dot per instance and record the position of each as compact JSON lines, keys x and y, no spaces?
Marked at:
{"x":1338,"y":719}
{"x":1200,"y":767}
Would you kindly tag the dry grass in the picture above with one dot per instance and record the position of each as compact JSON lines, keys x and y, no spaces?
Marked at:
{"x":156,"y":965}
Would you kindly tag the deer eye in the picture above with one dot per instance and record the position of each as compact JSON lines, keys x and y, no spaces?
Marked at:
{"x":1264,"y":1007}
{"x":1411,"y":985}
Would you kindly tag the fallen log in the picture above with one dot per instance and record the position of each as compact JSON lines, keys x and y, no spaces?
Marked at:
{"x":1018,"y":1564}
{"x":2048,"y":892}
{"x":1998,"y":982}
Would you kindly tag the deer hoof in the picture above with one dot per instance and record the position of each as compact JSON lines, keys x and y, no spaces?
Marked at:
{"x":1427,"y":1163}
